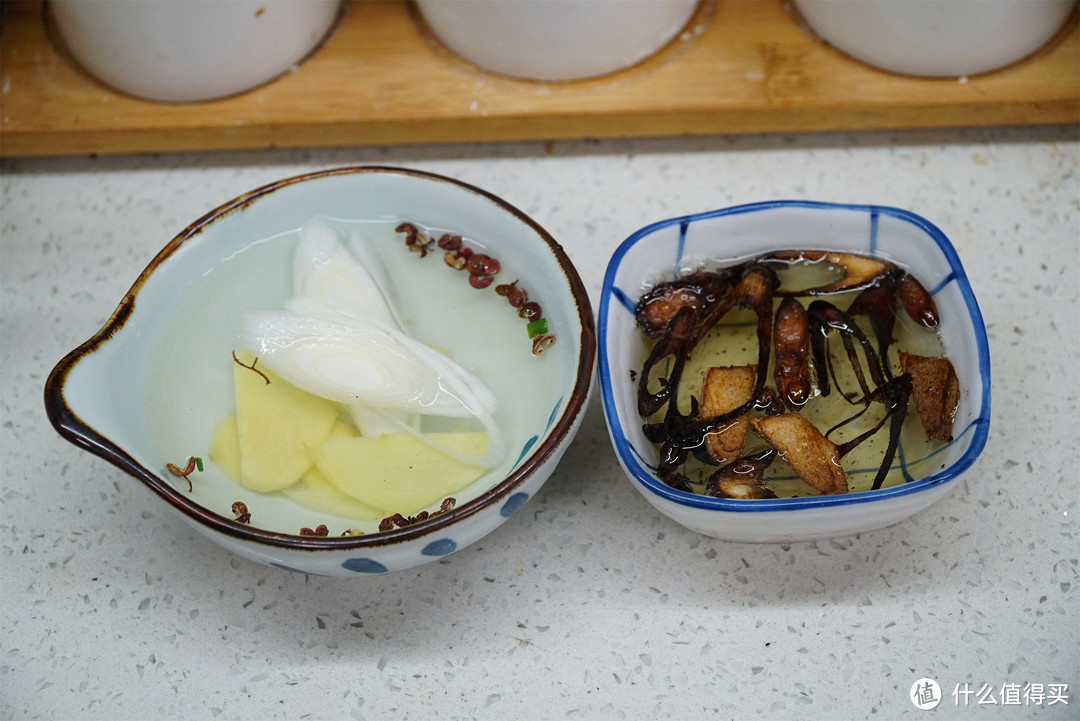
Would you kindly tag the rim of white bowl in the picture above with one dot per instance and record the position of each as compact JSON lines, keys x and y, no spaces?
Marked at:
{"x":979,"y":426}
{"x":68,"y":424}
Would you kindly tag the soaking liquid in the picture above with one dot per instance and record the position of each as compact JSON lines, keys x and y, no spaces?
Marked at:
{"x":733,"y":342}
{"x":189,"y":387}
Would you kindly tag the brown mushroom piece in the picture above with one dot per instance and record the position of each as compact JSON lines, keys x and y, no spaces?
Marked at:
{"x":813,"y":456}
{"x":936,"y":393}
{"x":859,"y":271}
{"x":917,"y":301}
{"x":742,"y":478}
{"x":698,"y":291}
{"x":791,"y":342}
{"x":726,"y":388}
{"x":741,"y":488}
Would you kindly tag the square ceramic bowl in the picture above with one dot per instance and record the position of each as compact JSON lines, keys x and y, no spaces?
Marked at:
{"x":672,"y":248}
{"x":149,"y":388}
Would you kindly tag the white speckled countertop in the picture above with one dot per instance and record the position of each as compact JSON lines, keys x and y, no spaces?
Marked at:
{"x":588,"y":604}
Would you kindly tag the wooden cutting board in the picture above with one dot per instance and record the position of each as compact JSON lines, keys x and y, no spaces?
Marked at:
{"x":741,"y":66}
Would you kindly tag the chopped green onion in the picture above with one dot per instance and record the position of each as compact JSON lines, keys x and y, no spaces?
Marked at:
{"x":537,"y":327}
{"x":198,"y":463}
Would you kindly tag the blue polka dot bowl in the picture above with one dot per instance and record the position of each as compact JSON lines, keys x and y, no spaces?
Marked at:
{"x":673,"y":248}
{"x":147,"y":391}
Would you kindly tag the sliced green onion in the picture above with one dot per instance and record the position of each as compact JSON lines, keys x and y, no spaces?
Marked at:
{"x":537,"y":327}
{"x":198,"y":463}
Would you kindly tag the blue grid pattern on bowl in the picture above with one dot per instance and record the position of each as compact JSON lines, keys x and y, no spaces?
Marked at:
{"x":619,"y":299}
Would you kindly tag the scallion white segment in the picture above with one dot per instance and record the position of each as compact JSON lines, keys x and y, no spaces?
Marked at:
{"x":324,"y":270}
{"x":340,"y":337}
{"x":363,"y":360}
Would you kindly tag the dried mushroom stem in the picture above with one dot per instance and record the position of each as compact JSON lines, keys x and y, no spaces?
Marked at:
{"x":791,"y":341}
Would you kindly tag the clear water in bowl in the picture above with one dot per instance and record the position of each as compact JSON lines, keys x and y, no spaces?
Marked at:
{"x":189,"y":386}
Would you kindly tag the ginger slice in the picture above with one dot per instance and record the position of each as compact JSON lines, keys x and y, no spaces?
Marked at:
{"x":813,"y":456}
{"x":726,"y":388}
{"x":936,"y":392}
{"x":277,"y":426}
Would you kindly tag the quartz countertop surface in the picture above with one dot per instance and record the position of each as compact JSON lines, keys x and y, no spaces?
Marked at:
{"x":588,"y":604}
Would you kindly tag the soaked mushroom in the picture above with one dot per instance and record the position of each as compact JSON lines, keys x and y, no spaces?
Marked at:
{"x":813,"y":456}
{"x":936,"y":393}
{"x":700,"y":290}
{"x":815,"y":350}
{"x":725,"y":389}
{"x":859,"y":271}
{"x":791,"y":341}
{"x":742,"y":478}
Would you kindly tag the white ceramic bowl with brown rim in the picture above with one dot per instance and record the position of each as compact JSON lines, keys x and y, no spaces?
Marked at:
{"x":148,"y":388}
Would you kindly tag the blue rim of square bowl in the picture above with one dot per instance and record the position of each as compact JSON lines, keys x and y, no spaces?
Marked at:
{"x":978,"y":427}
